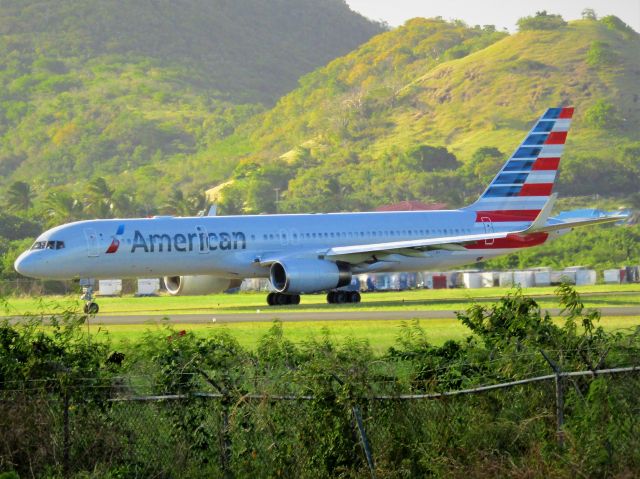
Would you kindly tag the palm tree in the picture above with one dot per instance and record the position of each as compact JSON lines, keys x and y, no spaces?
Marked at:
{"x":19,"y":196}
{"x":181,"y":205}
{"x":62,"y":207}
{"x":99,"y":198}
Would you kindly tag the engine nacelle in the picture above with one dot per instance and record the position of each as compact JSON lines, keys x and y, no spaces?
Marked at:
{"x":194,"y":285}
{"x":308,"y":276}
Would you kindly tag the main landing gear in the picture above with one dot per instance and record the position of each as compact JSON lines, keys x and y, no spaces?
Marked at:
{"x":341,"y":297}
{"x":279,"y":299}
{"x":334,"y":297}
{"x":90,"y":307}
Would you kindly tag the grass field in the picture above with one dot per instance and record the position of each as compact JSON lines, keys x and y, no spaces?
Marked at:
{"x":381,"y":334}
{"x":423,"y":299}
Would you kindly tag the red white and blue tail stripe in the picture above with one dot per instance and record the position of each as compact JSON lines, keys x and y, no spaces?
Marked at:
{"x":524,"y":184}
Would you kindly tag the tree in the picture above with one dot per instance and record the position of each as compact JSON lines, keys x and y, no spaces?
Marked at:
{"x":431,"y":158}
{"x":602,"y":114}
{"x":180,"y":204}
{"x":99,"y":198}
{"x":589,"y":14}
{"x":19,"y":196}
{"x":62,"y":207}
{"x":541,"y":21}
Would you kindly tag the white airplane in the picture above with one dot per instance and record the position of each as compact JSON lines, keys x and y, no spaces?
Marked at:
{"x":308,"y":253}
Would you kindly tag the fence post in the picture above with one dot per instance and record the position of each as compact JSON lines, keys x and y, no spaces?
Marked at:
{"x":65,"y":439}
{"x":363,"y":434}
{"x":226,"y":437}
{"x":559,"y":399}
{"x":225,"y":453}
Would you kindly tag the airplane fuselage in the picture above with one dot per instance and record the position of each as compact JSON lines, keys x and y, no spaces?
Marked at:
{"x":237,"y":246}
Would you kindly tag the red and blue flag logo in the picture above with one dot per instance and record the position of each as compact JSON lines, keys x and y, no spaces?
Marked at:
{"x":115,"y":242}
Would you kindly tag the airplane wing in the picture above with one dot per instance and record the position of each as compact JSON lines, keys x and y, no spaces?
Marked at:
{"x":356,"y":253}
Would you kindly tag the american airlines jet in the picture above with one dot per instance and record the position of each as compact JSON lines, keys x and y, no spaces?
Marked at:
{"x":308,"y":253}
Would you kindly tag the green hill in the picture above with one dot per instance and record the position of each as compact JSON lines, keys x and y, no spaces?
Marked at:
{"x":372,"y":127}
{"x":107,"y":88}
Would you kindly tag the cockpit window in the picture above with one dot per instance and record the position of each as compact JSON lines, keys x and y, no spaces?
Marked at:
{"x":48,"y":245}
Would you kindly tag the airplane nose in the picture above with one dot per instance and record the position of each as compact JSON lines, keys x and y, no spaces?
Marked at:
{"x":25,"y":265}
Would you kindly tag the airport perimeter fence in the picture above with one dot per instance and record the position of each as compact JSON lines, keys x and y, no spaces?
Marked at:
{"x":49,"y":429}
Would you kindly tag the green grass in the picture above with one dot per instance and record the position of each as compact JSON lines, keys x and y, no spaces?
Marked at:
{"x":381,"y":334}
{"x":449,"y":299}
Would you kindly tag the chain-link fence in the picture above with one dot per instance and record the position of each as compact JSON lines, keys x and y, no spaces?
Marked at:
{"x":558,"y":423}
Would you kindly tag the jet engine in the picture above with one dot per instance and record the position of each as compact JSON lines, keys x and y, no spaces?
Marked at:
{"x":308,"y":276}
{"x":194,"y":285}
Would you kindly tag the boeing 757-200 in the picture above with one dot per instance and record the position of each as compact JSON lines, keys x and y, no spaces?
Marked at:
{"x":308,"y":253}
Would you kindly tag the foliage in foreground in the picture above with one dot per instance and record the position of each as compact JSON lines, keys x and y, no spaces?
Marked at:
{"x":289,"y":409}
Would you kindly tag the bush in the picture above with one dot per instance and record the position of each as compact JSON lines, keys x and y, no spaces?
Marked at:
{"x":599,"y":54}
{"x":541,"y":21}
{"x":602,"y":114}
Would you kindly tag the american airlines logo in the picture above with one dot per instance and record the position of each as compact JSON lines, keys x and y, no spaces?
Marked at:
{"x":115,"y":242}
{"x":186,"y":242}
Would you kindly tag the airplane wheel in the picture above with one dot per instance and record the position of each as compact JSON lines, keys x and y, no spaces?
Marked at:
{"x":282,"y":299}
{"x":91,"y":308}
{"x":340,"y":297}
{"x":331,"y":297}
{"x":295,"y":299}
{"x":271,"y":299}
{"x":354,"y":297}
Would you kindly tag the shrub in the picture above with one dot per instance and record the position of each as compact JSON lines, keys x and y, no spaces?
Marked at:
{"x":599,"y":54}
{"x":541,"y":21}
{"x":601,"y":114}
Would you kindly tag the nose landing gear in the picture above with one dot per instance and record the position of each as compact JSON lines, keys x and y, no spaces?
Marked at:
{"x":90,"y":307}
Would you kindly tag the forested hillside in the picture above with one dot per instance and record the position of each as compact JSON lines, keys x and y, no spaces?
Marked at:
{"x":117,"y":89}
{"x":124,"y":109}
{"x":431,"y":110}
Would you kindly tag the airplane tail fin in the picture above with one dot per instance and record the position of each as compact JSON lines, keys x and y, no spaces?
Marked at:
{"x":524,"y":184}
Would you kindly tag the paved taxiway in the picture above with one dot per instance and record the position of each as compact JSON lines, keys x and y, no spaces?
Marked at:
{"x":292,"y":316}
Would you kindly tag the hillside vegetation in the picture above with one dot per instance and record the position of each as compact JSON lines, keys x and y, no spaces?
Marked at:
{"x":118,"y":89}
{"x":118,"y":109}
{"x":370,"y":128}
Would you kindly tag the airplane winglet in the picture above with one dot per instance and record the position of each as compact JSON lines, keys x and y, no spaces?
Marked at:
{"x":541,"y":220}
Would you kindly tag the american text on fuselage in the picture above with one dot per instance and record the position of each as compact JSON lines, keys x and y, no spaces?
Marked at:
{"x":186,"y":242}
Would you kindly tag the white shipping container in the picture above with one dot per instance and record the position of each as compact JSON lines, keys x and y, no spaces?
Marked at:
{"x":585,"y":277}
{"x":110,"y":287}
{"x":612,"y":276}
{"x":505,"y":279}
{"x":148,"y":287}
{"x":472,"y":280}
{"x":524,"y":278}
{"x":542,"y":278}
{"x":558,"y":277}
{"x":489,"y":279}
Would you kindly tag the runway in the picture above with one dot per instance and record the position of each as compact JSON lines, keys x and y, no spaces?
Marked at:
{"x":293,"y":316}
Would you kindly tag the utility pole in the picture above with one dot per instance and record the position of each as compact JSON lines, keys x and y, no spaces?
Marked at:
{"x":277,"y":190}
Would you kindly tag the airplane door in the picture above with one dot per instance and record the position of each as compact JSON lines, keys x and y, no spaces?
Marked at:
{"x":488,"y":228}
{"x":93,"y":249}
{"x":203,"y":240}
